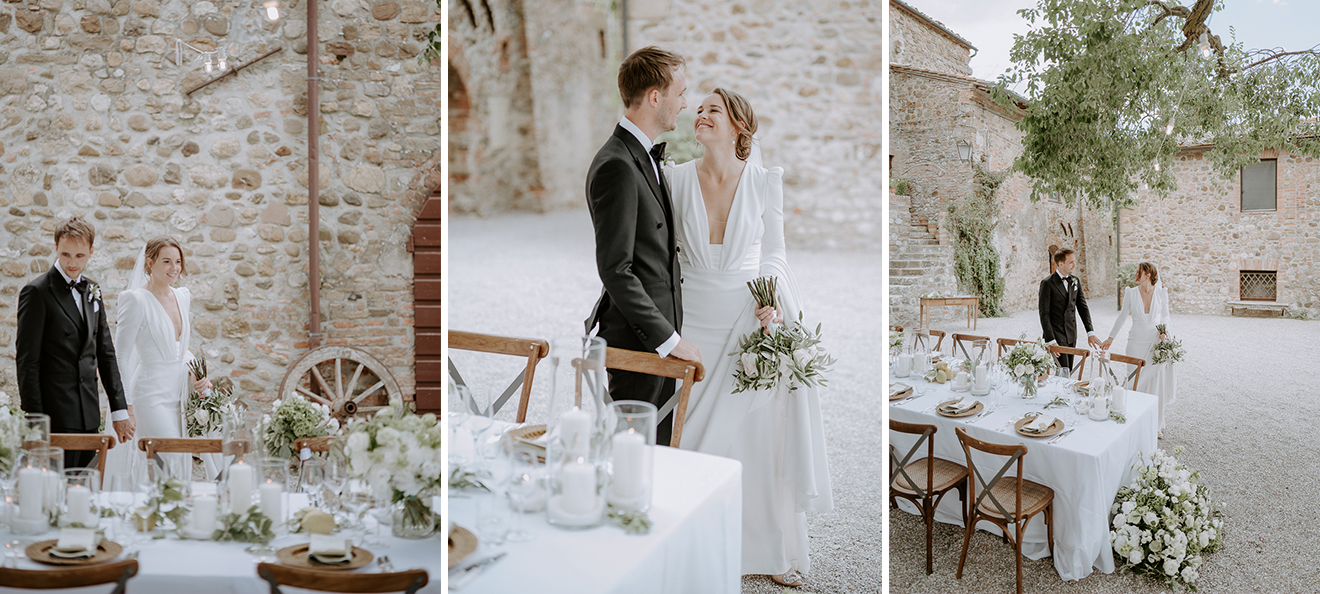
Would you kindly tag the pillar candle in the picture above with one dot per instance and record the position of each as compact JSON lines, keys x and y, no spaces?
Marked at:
{"x":1120,"y":399}
{"x":579,"y":481}
{"x":240,"y":487}
{"x":31,"y":486}
{"x":78,"y":503}
{"x":271,"y":493}
{"x":629,"y":465}
{"x":575,"y":430}
{"x":982,"y":378}
{"x":202,"y":520}
{"x":921,"y":362}
{"x":904,"y":365}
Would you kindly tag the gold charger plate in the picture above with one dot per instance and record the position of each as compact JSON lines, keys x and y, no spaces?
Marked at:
{"x":976,"y":408}
{"x":297,"y":556}
{"x":462,"y":543}
{"x":40,"y":552}
{"x":1051,"y":432}
{"x":528,"y":434}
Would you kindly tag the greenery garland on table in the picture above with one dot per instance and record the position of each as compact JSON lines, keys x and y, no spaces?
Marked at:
{"x":632,"y":522}
{"x":251,"y":526}
{"x":975,"y":259}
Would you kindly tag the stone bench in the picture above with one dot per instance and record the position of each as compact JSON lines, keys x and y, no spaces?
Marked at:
{"x":1259,"y":309}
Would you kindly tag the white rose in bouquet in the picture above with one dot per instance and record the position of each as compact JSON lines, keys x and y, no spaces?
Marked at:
{"x":748,"y":363}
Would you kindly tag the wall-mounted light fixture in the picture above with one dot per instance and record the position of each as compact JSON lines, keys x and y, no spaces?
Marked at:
{"x":965,"y":151}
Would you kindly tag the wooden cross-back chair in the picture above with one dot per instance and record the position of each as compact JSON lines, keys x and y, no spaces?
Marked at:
{"x":652,"y":364}
{"x":963,"y":342}
{"x":318,"y":445}
{"x":530,"y":348}
{"x":117,"y":573}
{"x":1006,"y":344}
{"x":987,"y":500}
{"x":893,"y":328}
{"x":86,"y":442}
{"x":938,"y":335}
{"x":276,"y":575}
{"x":925,"y":481}
{"x":179,"y":445}
{"x":1079,"y":357}
{"x":1133,"y":375}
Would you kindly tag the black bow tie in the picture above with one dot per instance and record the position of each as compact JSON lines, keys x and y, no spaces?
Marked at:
{"x":658,"y":152}
{"x":79,"y":285}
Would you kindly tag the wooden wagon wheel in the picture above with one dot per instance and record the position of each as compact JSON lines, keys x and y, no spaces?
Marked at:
{"x":348,"y":380}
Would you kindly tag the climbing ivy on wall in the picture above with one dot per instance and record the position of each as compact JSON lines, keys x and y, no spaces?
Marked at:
{"x":976,"y":261}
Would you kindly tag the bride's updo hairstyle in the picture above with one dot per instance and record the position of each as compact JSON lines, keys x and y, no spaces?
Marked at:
{"x":153,"y":251}
{"x":740,"y":113}
{"x":1149,"y":270}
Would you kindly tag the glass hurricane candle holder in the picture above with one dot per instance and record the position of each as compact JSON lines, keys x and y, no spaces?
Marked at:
{"x":82,"y":490}
{"x":632,"y":433}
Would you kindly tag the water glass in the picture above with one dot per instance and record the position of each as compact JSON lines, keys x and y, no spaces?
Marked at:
{"x":311,"y":480}
{"x":524,"y":487}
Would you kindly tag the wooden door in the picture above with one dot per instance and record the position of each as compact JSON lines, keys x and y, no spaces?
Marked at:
{"x":429,"y":354}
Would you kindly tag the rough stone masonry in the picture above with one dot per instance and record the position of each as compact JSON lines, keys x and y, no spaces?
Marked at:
{"x":94,"y":121}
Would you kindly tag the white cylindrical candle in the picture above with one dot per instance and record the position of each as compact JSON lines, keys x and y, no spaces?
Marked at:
{"x":1120,"y":399}
{"x":904,"y":365}
{"x":240,"y":487}
{"x":962,"y":379}
{"x":271,"y":495}
{"x":202,"y":520}
{"x":629,"y":466}
{"x":982,"y":378}
{"x":921,"y":362}
{"x":31,"y":488}
{"x":51,"y":490}
{"x":575,"y":430}
{"x":579,"y":486}
{"x":1099,"y":408}
{"x":78,"y":504}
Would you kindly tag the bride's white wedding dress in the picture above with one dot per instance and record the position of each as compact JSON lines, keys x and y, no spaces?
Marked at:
{"x":777,"y":435}
{"x":1159,"y":380}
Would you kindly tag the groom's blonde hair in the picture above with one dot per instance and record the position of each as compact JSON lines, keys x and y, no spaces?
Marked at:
{"x":647,"y":68}
{"x":158,"y":243}
{"x":740,"y":113}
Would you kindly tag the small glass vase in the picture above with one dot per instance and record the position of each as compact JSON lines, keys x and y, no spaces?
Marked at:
{"x":1028,"y":387}
{"x":413,"y":518}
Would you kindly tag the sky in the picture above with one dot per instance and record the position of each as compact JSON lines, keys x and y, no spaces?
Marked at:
{"x":990,"y":24}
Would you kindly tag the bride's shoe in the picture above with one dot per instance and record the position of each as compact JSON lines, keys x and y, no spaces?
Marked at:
{"x":791,"y":578}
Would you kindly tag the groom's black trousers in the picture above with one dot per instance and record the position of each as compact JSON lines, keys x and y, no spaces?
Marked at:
{"x":628,"y":385}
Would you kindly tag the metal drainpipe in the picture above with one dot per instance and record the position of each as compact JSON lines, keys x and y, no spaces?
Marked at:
{"x":313,"y":177}
{"x":623,"y":17}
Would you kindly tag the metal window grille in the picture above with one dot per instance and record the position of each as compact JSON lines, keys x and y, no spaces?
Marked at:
{"x":1259,"y":285}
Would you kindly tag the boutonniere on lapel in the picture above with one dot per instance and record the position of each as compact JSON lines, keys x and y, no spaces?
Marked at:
{"x":94,"y":297}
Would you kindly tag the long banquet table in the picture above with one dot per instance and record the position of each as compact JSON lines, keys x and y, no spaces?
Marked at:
{"x":1085,"y":468}
{"x":173,"y":566}
{"x":695,"y":542}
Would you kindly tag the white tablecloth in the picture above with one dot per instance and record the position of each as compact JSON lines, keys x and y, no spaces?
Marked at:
{"x":172,"y":566}
{"x":1085,"y":469}
{"x":695,"y":543}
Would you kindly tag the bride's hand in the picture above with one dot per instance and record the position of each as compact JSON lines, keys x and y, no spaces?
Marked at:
{"x":202,"y":385}
{"x":768,"y":315}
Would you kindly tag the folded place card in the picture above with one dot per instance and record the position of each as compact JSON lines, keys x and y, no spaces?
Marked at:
{"x":1041,"y":423}
{"x":898,"y":388}
{"x":961,"y":405}
{"x":328,"y":546}
{"x":75,"y":540}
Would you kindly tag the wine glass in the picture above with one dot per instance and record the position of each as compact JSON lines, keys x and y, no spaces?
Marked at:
{"x":311,"y":478}
{"x":382,"y":510}
{"x":524,"y":485}
{"x":121,"y":493}
{"x":336,"y":476}
{"x":357,"y":499}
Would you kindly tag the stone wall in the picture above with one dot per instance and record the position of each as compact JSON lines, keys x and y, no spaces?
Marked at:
{"x":94,"y":121}
{"x":812,"y":74}
{"x":1199,"y":238}
{"x":540,"y":98}
{"x":915,"y":43}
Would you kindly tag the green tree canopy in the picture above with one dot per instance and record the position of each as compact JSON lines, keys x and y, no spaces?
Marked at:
{"x":1104,"y":80}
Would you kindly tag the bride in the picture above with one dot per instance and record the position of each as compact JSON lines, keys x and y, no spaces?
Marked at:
{"x":1148,"y":306}
{"x":729,"y":211}
{"x":153,"y":328}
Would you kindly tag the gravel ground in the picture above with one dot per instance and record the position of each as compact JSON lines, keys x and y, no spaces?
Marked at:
{"x":534,"y":276}
{"x":1262,"y":467}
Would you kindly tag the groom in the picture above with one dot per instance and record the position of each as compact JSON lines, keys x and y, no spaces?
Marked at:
{"x":641,"y":306}
{"x":63,"y":341}
{"x":1061,"y":299}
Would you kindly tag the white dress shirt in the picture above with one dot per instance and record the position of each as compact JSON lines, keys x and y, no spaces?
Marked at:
{"x":668,"y":346}
{"x":1068,"y":281}
{"x":117,"y":415}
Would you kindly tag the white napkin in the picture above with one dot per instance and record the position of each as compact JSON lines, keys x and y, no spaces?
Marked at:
{"x":1041,"y":423}
{"x":75,"y":540}
{"x":961,"y":405}
{"x":325,"y":545}
{"x":898,"y":388}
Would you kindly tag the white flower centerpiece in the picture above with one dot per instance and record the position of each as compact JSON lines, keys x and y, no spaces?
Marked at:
{"x":788,"y":354}
{"x":1026,"y":362}
{"x":895,"y":342}
{"x":397,"y":452}
{"x":1164,"y":522}
{"x":11,"y":433}
{"x":296,"y":418}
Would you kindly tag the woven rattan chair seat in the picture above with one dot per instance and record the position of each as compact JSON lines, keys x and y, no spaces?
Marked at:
{"x":947,"y":474}
{"x":1035,"y":497}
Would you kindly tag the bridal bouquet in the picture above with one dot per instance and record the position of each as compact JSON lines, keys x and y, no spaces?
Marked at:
{"x":788,"y":354}
{"x":293,"y":419}
{"x":1167,"y":351}
{"x":1028,"y":361}
{"x":204,"y":413}
{"x":11,"y":429}
{"x":895,"y":341}
{"x":1164,"y":521}
{"x":398,"y":454}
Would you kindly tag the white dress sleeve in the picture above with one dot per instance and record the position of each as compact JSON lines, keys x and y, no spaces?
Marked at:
{"x":1122,"y":315}
{"x":774,"y":259}
{"x":129,"y":319}
{"x":1162,"y":313}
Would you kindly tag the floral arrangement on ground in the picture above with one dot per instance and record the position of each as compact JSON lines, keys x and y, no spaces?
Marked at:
{"x":1164,"y":522}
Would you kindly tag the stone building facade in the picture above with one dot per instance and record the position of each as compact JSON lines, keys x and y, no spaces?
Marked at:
{"x":95,"y":121}
{"x":1201,"y":239}
{"x":541,"y":110}
{"x":934,"y":105}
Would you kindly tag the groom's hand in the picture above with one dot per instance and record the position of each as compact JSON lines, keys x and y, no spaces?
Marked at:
{"x":124,"y":430}
{"x":1095,"y":342}
{"x":686,"y":351}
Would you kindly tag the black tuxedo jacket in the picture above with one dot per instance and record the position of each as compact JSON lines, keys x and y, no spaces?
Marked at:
{"x":641,"y":305}
{"x":60,"y":353}
{"x":1059,"y":307}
